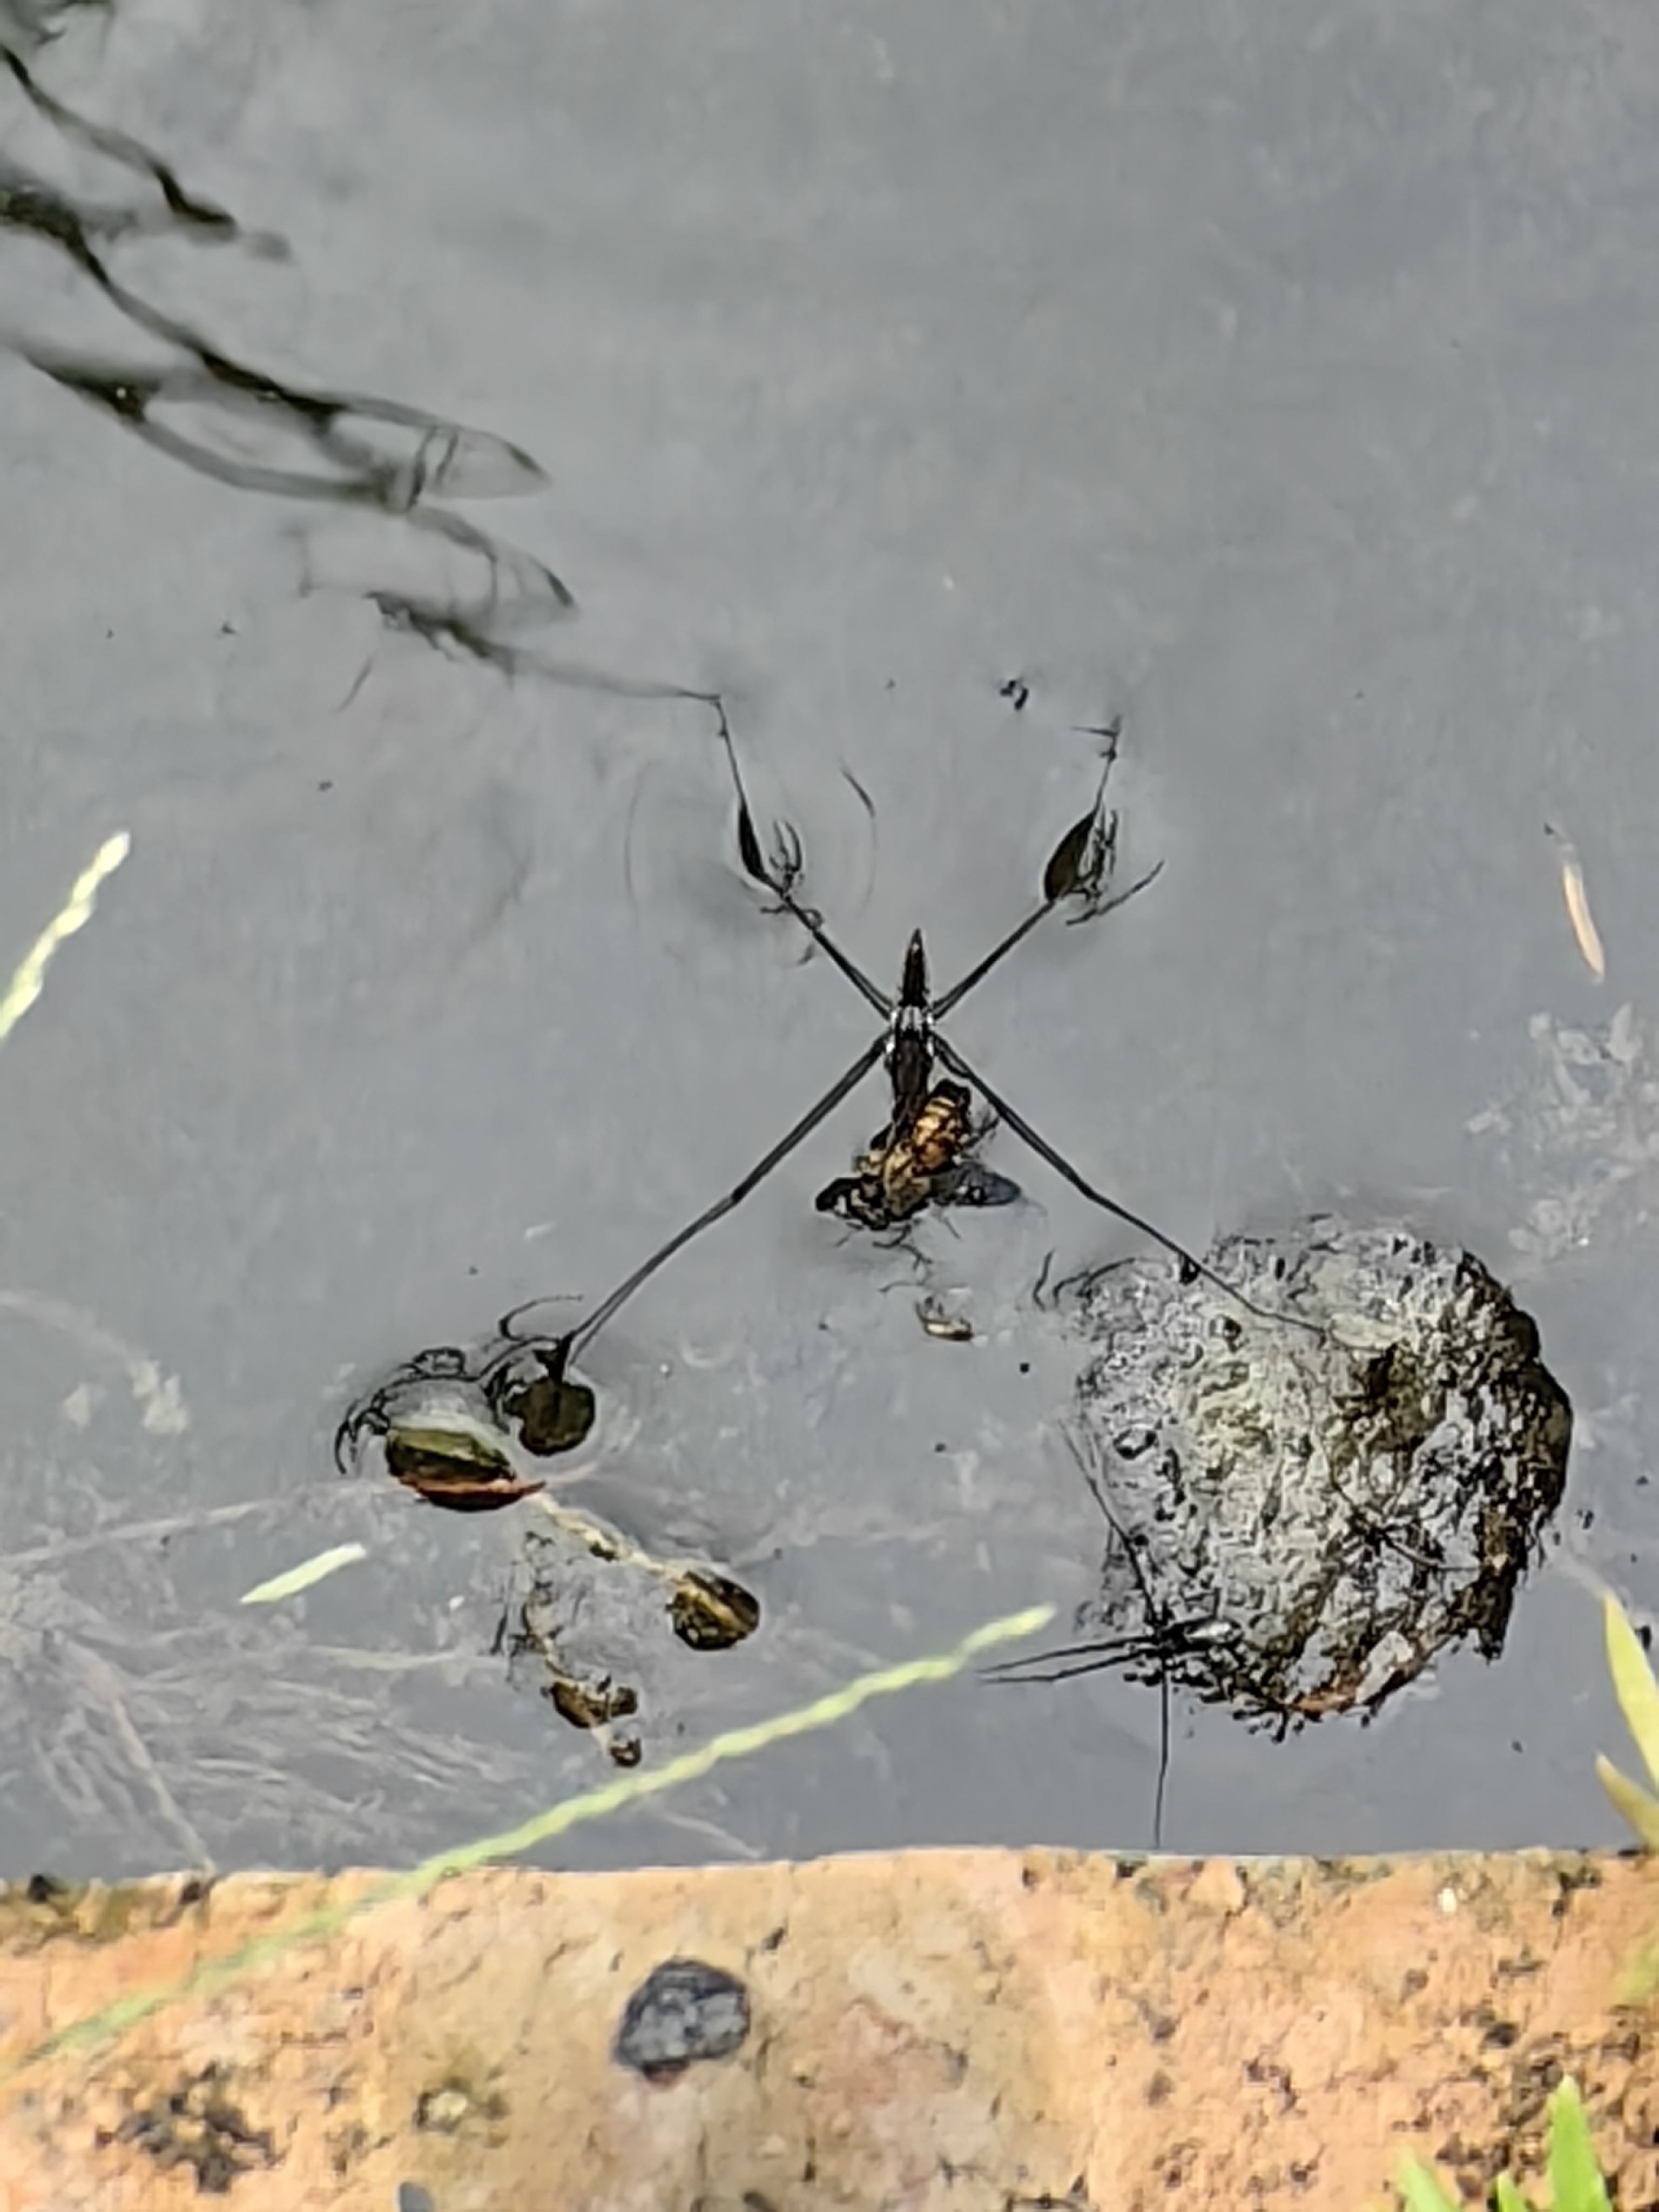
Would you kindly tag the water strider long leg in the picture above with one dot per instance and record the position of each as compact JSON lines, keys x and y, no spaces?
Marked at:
{"x":1079,"y":868}
{"x":779,"y":880}
{"x":1064,"y":1662}
{"x":1068,"y":1661}
{"x":1061,"y":1166}
{"x":733,"y":1198}
{"x":1075,"y":870}
{"x":998,"y":953}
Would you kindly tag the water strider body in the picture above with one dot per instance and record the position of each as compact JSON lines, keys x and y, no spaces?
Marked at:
{"x":926,"y":1154}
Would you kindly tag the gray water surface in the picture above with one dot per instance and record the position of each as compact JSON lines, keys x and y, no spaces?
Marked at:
{"x":1282,"y":379}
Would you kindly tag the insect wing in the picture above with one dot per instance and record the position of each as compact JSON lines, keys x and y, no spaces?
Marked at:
{"x":970,"y":1182}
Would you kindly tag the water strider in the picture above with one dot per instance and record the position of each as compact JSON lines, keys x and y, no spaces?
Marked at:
{"x":926,"y":1154}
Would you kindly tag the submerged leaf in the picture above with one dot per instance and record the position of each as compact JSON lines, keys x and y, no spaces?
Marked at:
{"x":1633,"y":1682}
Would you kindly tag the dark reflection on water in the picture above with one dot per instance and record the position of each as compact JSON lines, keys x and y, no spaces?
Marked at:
{"x":210,"y":415}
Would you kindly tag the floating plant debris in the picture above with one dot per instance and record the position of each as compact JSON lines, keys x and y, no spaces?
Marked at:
{"x":569,"y":1633}
{"x":1299,"y":1522}
{"x":449,"y":1419}
{"x":1578,"y":1132}
{"x":710,"y":1612}
{"x":1585,"y":934}
{"x":305,"y":1576}
{"x":938,"y":1321}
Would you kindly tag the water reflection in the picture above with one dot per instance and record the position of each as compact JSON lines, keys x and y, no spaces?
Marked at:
{"x":242,"y":427}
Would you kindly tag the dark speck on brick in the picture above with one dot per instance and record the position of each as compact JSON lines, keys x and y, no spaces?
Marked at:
{"x":684,"y":2010}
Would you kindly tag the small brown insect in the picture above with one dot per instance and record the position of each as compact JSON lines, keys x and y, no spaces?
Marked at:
{"x":929,"y":1164}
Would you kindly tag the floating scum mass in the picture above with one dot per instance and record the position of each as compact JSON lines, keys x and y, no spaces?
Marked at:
{"x":1299,"y":1520}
